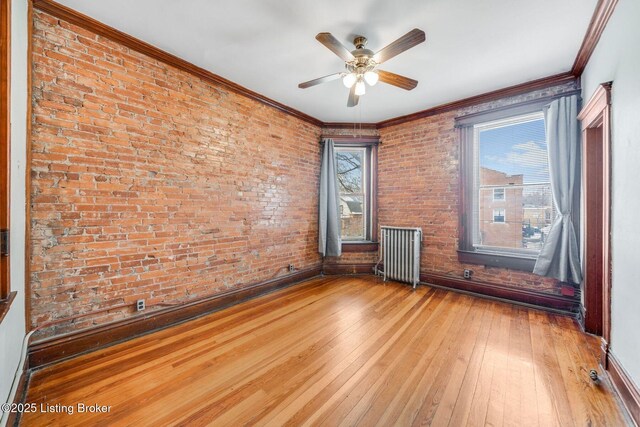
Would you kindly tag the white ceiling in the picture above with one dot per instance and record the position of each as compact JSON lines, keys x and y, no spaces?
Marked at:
{"x":269,"y":46}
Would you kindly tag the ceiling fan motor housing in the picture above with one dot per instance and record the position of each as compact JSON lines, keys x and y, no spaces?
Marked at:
{"x":363,"y":57}
{"x":360,"y":42}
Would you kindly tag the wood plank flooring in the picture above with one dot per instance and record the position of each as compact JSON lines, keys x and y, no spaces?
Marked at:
{"x":341,"y":351}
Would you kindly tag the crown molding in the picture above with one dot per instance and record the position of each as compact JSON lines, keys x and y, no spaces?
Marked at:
{"x":350,"y":126}
{"x":604,"y":10}
{"x":601,"y":16}
{"x":76,"y":18}
{"x":482,"y":98}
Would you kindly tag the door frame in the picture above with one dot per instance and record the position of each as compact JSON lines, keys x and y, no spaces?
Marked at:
{"x":5,"y":140}
{"x":595,"y":119}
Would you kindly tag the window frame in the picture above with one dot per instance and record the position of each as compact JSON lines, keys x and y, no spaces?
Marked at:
{"x":6,"y":296}
{"x":504,"y":194}
{"x":504,"y":216}
{"x":366,"y":177}
{"x":467,"y":252}
{"x":370,"y":144}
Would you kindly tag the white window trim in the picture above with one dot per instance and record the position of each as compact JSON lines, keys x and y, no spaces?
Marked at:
{"x":504,"y":194}
{"x":504,"y":216}
{"x":523,"y":118}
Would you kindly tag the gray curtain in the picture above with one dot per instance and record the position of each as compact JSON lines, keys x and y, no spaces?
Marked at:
{"x":329,"y":241}
{"x":559,"y":256}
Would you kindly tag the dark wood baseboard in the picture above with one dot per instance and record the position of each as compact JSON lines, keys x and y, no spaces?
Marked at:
{"x":567,"y":305}
{"x":580,"y":318}
{"x":627,"y":390}
{"x":337,"y":268}
{"x":21,"y":393}
{"x":604,"y":352}
{"x":63,"y":347}
{"x":558,"y":303}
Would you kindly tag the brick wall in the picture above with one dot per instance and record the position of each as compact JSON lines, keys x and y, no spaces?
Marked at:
{"x":353,"y":259}
{"x":148,"y":182}
{"x":418,"y":186}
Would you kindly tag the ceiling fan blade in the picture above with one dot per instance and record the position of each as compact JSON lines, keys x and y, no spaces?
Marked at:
{"x":397,"y":80}
{"x":319,"y":80}
{"x":335,"y":46}
{"x":409,"y":40}
{"x":353,"y":98}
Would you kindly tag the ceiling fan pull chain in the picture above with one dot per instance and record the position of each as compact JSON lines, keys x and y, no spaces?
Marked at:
{"x":360,"y":117}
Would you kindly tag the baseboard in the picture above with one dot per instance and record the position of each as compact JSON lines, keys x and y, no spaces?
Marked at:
{"x":557,"y":303}
{"x":13,"y":419}
{"x":604,"y":353}
{"x":581,"y":315}
{"x":62,"y":347}
{"x":626,"y":388}
{"x":337,"y":268}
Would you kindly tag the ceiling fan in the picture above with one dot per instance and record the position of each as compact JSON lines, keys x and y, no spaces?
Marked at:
{"x":361,"y":64}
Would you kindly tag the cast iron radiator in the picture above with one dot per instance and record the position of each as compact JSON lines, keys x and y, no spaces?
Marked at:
{"x":400,"y":254}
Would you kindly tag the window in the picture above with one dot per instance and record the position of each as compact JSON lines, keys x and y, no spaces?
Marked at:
{"x":352,"y":185}
{"x":356,"y":184}
{"x":507,"y":202}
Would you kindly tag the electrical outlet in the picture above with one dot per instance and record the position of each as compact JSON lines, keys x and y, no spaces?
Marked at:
{"x":292,"y":267}
{"x":467,"y":274}
{"x":140,"y":305}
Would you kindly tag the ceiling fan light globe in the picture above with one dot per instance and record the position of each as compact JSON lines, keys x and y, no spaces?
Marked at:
{"x":360,"y":88}
{"x":371,"y":77}
{"x":349,"y":80}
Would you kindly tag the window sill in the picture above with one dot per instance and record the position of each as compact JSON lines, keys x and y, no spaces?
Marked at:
{"x":359,"y":246}
{"x":492,"y":259}
{"x":5,"y":305}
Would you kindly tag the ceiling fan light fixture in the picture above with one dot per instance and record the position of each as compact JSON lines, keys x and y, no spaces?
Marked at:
{"x":349,"y":80}
{"x":360,"y":65}
{"x":371,"y":77}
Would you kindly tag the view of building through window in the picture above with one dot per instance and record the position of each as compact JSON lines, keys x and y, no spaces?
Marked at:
{"x":512,"y":195}
{"x":351,"y":184}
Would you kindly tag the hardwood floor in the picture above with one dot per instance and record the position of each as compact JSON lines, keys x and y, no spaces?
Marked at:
{"x":342,"y":351}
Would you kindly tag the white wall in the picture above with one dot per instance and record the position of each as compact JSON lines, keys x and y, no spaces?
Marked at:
{"x":12,"y":328}
{"x":617,"y":59}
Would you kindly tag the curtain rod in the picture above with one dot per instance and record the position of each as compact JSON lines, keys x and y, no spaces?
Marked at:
{"x":352,"y":138}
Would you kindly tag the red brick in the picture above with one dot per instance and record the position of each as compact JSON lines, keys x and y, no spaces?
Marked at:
{"x":134,"y":163}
